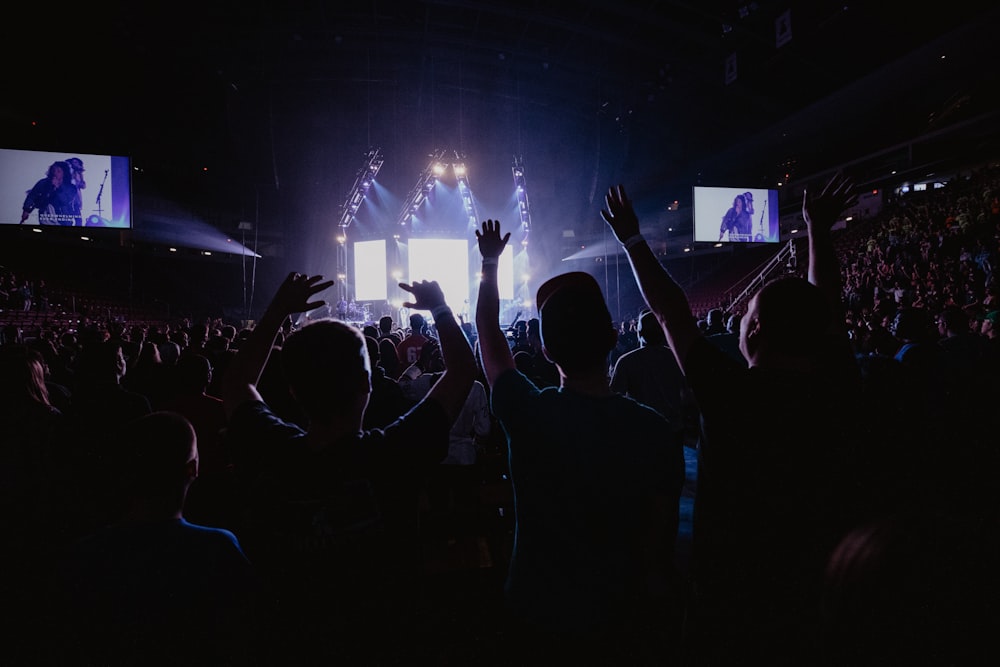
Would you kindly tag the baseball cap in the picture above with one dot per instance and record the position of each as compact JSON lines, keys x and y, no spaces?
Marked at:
{"x":576,"y":286}
{"x":575,"y":324}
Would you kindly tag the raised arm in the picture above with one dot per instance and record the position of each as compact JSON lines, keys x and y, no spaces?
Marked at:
{"x":820,"y":212}
{"x":662,"y":294}
{"x":493,"y":347}
{"x":452,"y":388}
{"x":243,"y":372}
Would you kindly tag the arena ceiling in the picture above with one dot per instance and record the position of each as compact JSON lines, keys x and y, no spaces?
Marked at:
{"x":262,"y":104}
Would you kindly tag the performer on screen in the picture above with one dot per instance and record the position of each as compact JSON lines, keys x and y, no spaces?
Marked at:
{"x":76,"y":176}
{"x":737,"y":221}
{"x":54,"y":196}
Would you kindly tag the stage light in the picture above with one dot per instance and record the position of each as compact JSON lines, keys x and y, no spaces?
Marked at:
{"x":397,"y":275}
{"x":362,"y":183}
{"x":462,"y":174}
{"x":425,"y":183}
{"x":341,"y":239}
{"x":37,"y":231}
{"x":522,"y":195}
{"x":439,"y":169}
{"x":172,"y":249}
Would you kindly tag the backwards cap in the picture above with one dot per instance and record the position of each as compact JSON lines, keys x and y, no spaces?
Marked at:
{"x":576,"y":326}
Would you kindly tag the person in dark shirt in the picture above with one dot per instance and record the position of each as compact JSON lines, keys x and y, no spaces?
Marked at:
{"x":775,"y":486}
{"x":54,"y":197}
{"x":596,"y":481}
{"x":153,"y":588}
{"x":332,"y":507}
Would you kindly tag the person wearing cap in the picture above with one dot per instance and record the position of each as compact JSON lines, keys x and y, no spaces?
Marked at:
{"x":76,"y":177}
{"x":775,"y":487}
{"x":988,"y":328}
{"x":596,"y":484}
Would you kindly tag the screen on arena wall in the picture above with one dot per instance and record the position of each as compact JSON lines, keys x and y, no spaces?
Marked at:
{"x":65,"y":189}
{"x":735,"y":215}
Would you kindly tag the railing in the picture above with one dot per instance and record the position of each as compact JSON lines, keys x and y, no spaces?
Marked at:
{"x":784,"y":259}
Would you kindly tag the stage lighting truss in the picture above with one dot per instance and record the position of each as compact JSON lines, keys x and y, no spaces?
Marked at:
{"x":362,"y":183}
{"x":434,"y":170}
{"x":462,"y":174}
{"x":522,"y":198}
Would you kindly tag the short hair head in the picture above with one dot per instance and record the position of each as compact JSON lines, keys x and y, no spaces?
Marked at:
{"x":159,"y":450}
{"x":576,"y":328}
{"x":649,"y":330}
{"x":791,"y":314}
{"x":417,"y":323}
{"x":326,"y":366}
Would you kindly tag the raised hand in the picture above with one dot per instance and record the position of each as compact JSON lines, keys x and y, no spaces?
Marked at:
{"x":427,"y":295}
{"x":821,"y":211}
{"x":619,"y":214}
{"x":294,"y":294}
{"x":490,"y":242}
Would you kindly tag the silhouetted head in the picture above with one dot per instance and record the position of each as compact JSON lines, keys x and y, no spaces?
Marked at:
{"x":193,"y":373}
{"x":159,"y":457}
{"x":22,"y":376}
{"x":327,"y":368}
{"x":649,"y":330}
{"x":576,"y":328}
{"x":789,"y":317}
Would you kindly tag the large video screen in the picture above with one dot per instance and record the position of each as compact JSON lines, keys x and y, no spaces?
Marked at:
{"x":65,"y":189}
{"x":370,"y":271}
{"x":735,"y":215}
{"x":445,"y":261}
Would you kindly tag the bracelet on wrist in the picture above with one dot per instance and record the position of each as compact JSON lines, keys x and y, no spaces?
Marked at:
{"x":490,"y":261}
{"x":438,"y":311}
{"x":633,"y":241}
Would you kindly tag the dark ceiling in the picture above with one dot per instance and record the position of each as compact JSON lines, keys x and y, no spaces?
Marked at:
{"x":263,"y":110}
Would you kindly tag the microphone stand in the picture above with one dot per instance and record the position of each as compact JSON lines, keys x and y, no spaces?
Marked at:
{"x":100,"y":191}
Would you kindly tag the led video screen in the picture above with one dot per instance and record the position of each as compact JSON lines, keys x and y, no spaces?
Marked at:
{"x":65,"y":189}
{"x":370,"y":271}
{"x":735,"y":215}
{"x":447,"y":262}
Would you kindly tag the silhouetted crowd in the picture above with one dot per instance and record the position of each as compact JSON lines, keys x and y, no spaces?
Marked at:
{"x":198,"y":493}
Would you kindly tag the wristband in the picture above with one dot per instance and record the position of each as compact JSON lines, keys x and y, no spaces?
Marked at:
{"x":490,"y":261}
{"x":633,"y":241}
{"x":438,"y":311}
